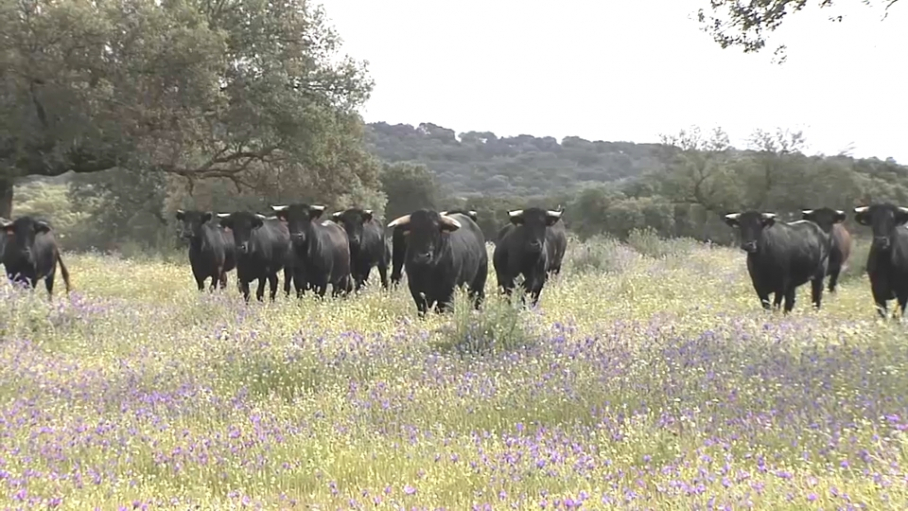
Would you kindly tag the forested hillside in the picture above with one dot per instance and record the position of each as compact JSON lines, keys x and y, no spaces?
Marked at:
{"x":478,"y":163}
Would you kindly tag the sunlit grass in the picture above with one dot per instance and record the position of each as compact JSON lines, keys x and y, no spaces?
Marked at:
{"x":648,"y":378}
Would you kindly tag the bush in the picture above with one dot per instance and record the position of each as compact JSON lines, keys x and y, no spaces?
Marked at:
{"x":498,"y":327}
{"x":599,"y":254}
{"x":648,"y":243}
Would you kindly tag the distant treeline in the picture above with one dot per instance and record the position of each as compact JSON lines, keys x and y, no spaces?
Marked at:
{"x":679,"y":187}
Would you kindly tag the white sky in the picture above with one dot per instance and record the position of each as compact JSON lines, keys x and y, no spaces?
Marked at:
{"x":629,"y":70}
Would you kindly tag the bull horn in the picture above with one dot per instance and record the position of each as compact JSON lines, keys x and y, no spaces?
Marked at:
{"x":473,"y":212}
{"x":861,"y":209}
{"x":556,"y":214}
{"x":180,"y":211}
{"x":337,"y":214}
{"x":367,"y":211}
{"x":223,"y":215}
{"x":443,"y":213}
{"x":450,"y":221}
{"x":903,"y":210}
{"x":316,"y":207}
{"x":516,"y":212}
{"x":5,"y":223}
{"x":806,"y":211}
{"x":263,"y":217}
{"x":279,"y":208}
{"x":840,"y":212}
{"x":767,"y":216}
{"x":403,"y":220}
{"x":732,"y":216}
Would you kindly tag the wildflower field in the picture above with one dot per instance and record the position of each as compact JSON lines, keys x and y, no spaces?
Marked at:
{"x":648,"y":378}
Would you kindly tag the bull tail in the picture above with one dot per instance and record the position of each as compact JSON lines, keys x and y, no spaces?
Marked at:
{"x":64,"y":272}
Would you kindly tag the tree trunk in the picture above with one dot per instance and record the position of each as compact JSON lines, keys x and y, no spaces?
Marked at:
{"x":6,"y":197}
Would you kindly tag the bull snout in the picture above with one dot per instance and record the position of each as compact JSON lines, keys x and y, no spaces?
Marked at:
{"x":749,"y":246}
{"x":354,"y":240}
{"x":186,"y":235}
{"x":881,"y":242}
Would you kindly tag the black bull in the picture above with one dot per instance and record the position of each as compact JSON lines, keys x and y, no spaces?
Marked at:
{"x":887,"y":262}
{"x":399,"y":245}
{"x":368,"y":247}
{"x":443,"y":252}
{"x":29,"y":253}
{"x":321,"y":250}
{"x":532,"y":245}
{"x":212,"y":252}
{"x":262,"y":250}
{"x":782,"y":256}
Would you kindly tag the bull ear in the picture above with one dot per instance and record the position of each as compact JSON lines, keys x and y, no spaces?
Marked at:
{"x":860,"y":215}
{"x":180,"y":214}
{"x":516,"y":216}
{"x":7,"y":226}
{"x":41,"y":226}
{"x":732,"y":219}
{"x":206,"y":216}
{"x":839,"y":216}
{"x":316,"y":211}
{"x":258,"y":220}
{"x":768,"y":219}
{"x":367,"y":215}
{"x":805,"y":214}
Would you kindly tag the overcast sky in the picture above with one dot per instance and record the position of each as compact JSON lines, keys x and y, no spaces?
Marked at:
{"x":629,"y":70}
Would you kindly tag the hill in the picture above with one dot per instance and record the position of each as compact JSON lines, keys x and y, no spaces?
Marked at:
{"x":481,"y":163}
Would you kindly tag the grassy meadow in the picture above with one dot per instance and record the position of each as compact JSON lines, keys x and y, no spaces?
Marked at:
{"x":648,"y":378}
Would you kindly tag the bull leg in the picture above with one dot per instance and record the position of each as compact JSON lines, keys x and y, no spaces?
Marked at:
{"x":478,"y":286}
{"x":299,"y":282}
{"x":903,"y":301}
{"x":223,"y":279}
{"x":422,"y":304}
{"x":272,"y":285}
{"x":444,"y":304}
{"x":244,"y":288}
{"x":287,"y":282}
{"x":365,"y":277}
{"x":260,"y":290}
{"x":49,"y":285}
{"x":200,"y":281}
{"x":789,"y":299}
{"x":816,"y":291}
{"x":880,"y":295}
{"x":383,"y":274}
{"x":834,"y":277}
{"x":777,"y":299}
{"x":505,"y":284}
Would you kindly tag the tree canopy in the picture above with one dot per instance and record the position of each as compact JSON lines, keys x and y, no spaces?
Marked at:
{"x":747,"y":23}
{"x":200,"y":89}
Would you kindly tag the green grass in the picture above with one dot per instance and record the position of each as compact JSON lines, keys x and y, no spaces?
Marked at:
{"x":648,"y":378}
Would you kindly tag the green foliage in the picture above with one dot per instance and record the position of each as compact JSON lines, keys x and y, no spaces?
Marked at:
{"x":408,"y":187}
{"x":499,"y":327}
{"x":732,"y":23}
{"x":247,"y":90}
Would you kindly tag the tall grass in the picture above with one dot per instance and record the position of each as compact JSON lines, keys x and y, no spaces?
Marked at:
{"x":647,"y":378}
